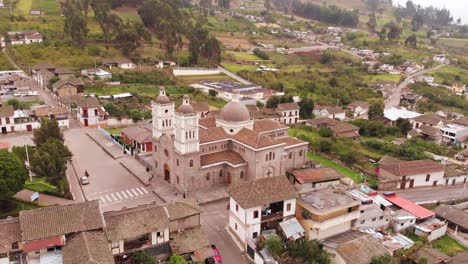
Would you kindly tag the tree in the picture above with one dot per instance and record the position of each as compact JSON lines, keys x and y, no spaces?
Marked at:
{"x":273,"y":101}
{"x":404,"y":125}
{"x":130,"y":35}
{"x":211,"y":51}
{"x":114,"y":110}
{"x":49,"y":129}
{"x":306,"y":108}
{"x":372,"y":23}
{"x":213,"y":93}
{"x":11,"y":4}
{"x":274,"y":245}
{"x":226,"y":4}
{"x":108,"y":22}
{"x":325,"y":132}
{"x":143,"y":258}
{"x":325,"y":57}
{"x":13,"y":174}
{"x":383,"y":259}
{"x":310,"y":251}
{"x":383,"y":33}
{"x":394,"y":31}
{"x":416,"y":22}
{"x":135,"y":115}
{"x":325,"y":145}
{"x":177,"y":260}
{"x":50,"y":161}
{"x":261,"y":54}
{"x":376,"y":110}
{"x":75,"y":21}
{"x":411,"y":41}
{"x":373,"y":5}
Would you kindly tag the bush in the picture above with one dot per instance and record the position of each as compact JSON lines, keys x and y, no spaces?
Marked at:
{"x":325,"y":145}
{"x":261,"y":54}
{"x":325,"y":132}
{"x":275,"y":245}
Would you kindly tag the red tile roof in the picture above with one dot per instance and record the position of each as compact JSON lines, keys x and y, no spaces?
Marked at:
{"x":290,"y":141}
{"x":413,"y":167}
{"x":254,"y":139}
{"x":316,"y":175}
{"x":207,"y":122}
{"x":288,"y":106}
{"x":42,"y":244}
{"x":227,"y":156}
{"x":212,"y":134}
{"x":264,"y":125}
{"x":417,"y":210}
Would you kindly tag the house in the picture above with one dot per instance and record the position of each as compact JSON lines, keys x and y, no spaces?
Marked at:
{"x":160,"y":64}
{"x":7,"y":122}
{"x":455,"y":132}
{"x":138,"y":228}
{"x":10,"y":238}
{"x":95,"y":73}
{"x":441,"y":58}
{"x":456,"y":217}
{"x":345,"y":130}
{"x":192,"y":244}
{"x":393,"y":114}
{"x":432,"y":228}
{"x":418,"y":212}
{"x":326,"y":212}
{"x":289,"y":113}
{"x":431,"y":120}
{"x":2,"y":39}
{"x":15,"y":84}
{"x":459,"y":88}
{"x":58,"y":113}
{"x":320,"y":122}
{"x":24,"y":37}
{"x":411,"y":174}
{"x":333,"y":112}
{"x":88,"y":111}
{"x":68,"y":87}
{"x":46,"y":237}
{"x":183,"y":215}
{"x":5,"y":74}
{"x":359,"y":109}
{"x":64,"y":73}
{"x":43,"y":72}
{"x":427,"y":133}
{"x":257,"y":205}
{"x":87,"y":247}
{"x":374,"y":210}
{"x":121,"y":63}
{"x":314,"y":178}
{"x":424,"y":78}
{"x":354,"y":247}
{"x":454,"y":175}
{"x":139,"y":137}
{"x":228,"y":90}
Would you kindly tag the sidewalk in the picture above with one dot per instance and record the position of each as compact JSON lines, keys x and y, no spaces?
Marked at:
{"x":136,"y":169}
{"x":107,"y":145}
{"x":43,"y":200}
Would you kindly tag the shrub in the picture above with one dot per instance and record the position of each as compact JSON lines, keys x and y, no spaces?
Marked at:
{"x":261,"y":54}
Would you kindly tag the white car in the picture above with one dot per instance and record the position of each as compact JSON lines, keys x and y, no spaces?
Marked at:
{"x":84,"y":180}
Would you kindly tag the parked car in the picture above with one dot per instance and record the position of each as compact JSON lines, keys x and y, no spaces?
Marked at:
{"x":84,"y":180}
{"x":217,"y":257}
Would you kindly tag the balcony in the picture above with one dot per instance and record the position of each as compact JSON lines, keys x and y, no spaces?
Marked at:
{"x":137,"y":244}
{"x":271,"y":217}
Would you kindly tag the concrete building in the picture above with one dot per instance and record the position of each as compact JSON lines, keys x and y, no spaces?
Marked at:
{"x":411,"y":174}
{"x":258,"y":205}
{"x":455,"y":132}
{"x":230,"y":148}
{"x":326,"y":212}
{"x":139,"y":137}
{"x":393,"y":114}
{"x":94,"y":73}
{"x":125,"y":64}
{"x":306,"y":180}
{"x":24,"y":37}
{"x":7,"y":121}
{"x":333,"y":112}
{"x":359,"y":109}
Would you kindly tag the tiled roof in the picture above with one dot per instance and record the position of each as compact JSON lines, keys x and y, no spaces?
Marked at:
{"x":128,"y":223}
{"x":316,"y":175}
{"x":47,"y":111}
{"x":386,"y":160}
{"x":288,"y":106}
{"x":452,"y":214}
{"x":290,"y":141}
{"x":201,"y":107}
{"x":207,"y":122}
{"x":254,"y":139}
{"x":356,"y":247}
{"x":188,"y":241}
{"x":263,"y":191}
{"x":140,"y":135}
{"x":59,"y":220}
{"x":212,"y":134}
{"x":9,"y":233}
{"x":335,"y":110}
{"x":461,"y":121}
{"x":428,"y":130}
{"x":44,"y":65}
{"x":264,"y":125}
{"x":90,"y":102}
{"x":87,"y":248}
{"x":409,"y":206}
{"x":227,"y":156}
{"x":15,"y":77}
{"x":63,"y":71}
{"x":182,"y":209}
{"x":413,"y":167}
{"x":342,"y":127}
{"x":430,"y":119}
{"x":431,"y":255}
{"x":74,"y":82}
{"x":7,"y":111}
{"x":362,"y":104}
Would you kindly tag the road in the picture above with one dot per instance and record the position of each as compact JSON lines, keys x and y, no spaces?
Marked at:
{"x":428,"y":195}
{"x":214,"y":219}
{"x":234,"y":76}
{"x":394,"y":99}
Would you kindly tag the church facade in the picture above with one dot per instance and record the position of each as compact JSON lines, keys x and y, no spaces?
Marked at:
{"x":193,"y":153}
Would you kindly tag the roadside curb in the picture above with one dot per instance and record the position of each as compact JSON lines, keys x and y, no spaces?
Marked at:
{"x":234,"y":239}
{"x":99,"y":144}
{"x":159,"y":196}
{"x":78,"y":179}
{"x":131,"y":172}
{"x":217,"y":200}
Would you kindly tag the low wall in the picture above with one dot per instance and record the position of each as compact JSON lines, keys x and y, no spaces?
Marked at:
{"x":195,"y":71}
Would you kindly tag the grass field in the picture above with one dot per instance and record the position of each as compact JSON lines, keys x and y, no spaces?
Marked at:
{"x":448,"y":246}
{"x":4,"y":63}
{"x":449,"y":73}
{"x":48,"y":6}
{"x":355,"y":176}
{"x":40,"y":185}
{"x":371,"y":78}
{"x":200,"y":78}
{"x":243,"y":56}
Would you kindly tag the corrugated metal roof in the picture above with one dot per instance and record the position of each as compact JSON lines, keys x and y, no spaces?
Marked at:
{"x":292,"y":229}
{"x":417,"y":210}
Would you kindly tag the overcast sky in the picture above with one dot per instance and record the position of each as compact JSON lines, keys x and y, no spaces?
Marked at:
{"x":458,"y":8}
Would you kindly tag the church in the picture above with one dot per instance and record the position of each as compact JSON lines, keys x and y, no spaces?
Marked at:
{"x":193,"y":153}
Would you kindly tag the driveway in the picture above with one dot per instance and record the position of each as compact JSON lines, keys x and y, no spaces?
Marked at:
{"x":214,"y":219}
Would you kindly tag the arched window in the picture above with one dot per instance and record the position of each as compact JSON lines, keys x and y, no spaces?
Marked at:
{"x":220,"y":173}
{"x":191,"y":163}
{"x":207,"y":176}
{"x":300,"y":153}
{"x":266,"y":157}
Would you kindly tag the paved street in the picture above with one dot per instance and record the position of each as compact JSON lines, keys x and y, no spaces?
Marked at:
{"x":214,"y":219}
{"x":110,"y":182}
{"x":428,"y":195}
{"x":394,"y":99}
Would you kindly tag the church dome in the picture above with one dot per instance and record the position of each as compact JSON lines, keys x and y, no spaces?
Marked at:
{"x":235,"y":111}
{"x":162,"y":98}
{"x":186,"y":107}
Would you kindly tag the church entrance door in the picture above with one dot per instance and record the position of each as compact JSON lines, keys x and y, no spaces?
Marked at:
{"x":167,"y":173}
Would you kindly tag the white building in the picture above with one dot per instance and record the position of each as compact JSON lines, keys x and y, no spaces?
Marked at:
{"x":125,"y":64}
{"x":96,"y":73}
{"x":393,"y":114}
{"x":455,"y":132}
{"x":333,"y":112}
{"x":289,"y":113}
{"x":2,"y":41}
{"x":227,"y":90}
{"x":24,"y":37}
{"x":4,"y":75}
{"x":255,"y":204}
{"x":441,"y":58}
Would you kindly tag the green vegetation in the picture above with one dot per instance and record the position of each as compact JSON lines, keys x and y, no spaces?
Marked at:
{"x":14,"y":208}
{"x":439,"y":98}
{"x":5,"y":63}
{"x":13,"y":174}
{"x":23,"y":104}
{"x":355,"y":176}
{"x":48,"y":6}
{"x":448,"y":246}
{"x":40,"y":184}
{"x":449,"y":74}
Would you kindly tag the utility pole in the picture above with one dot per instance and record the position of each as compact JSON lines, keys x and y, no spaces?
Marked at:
{"x":29,"y":164}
